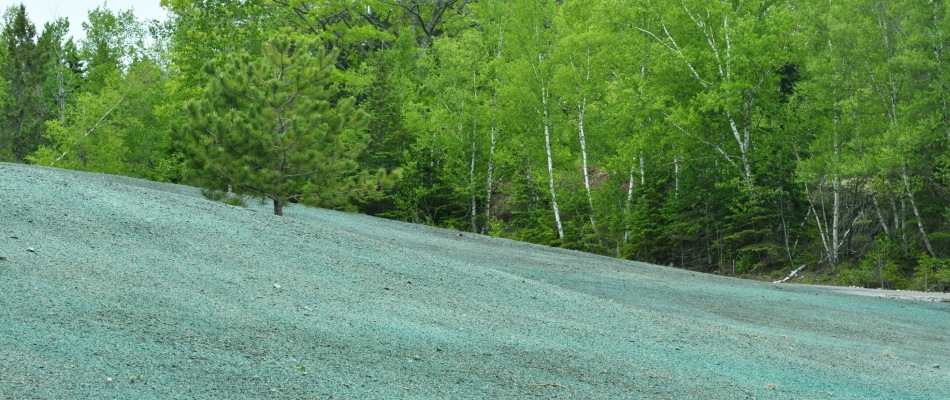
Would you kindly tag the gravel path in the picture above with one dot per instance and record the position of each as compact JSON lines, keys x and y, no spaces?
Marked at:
{"x":119,"y":288}
{"x":892,"y":294}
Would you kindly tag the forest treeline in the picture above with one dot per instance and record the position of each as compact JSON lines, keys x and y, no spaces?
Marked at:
{"x":736,"y":137}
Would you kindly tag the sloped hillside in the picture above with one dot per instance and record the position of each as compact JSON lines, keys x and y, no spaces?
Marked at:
{"x":118,"y":288}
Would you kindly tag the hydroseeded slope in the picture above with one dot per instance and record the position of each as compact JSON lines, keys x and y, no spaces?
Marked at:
{"x":118,"y":288}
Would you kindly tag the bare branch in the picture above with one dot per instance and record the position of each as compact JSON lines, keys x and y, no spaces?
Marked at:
{"x":672,"y":46}
{"x":691,"y":136}
{"x":91,"y":130}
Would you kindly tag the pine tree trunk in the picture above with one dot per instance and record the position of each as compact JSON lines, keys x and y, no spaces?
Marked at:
{"x":278,"y":207}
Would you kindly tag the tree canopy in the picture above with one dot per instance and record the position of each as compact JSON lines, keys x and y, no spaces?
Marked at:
{"x":265,"y":126}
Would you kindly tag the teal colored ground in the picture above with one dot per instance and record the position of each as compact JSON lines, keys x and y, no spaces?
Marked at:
{"x":118,"y":288}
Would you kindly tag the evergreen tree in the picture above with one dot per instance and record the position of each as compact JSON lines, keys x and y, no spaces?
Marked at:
{"x":24,"y":112}
{"x":274,"y":127}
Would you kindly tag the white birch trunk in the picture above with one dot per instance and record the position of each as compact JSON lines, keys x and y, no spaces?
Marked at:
{"x":899,"y":218}
{"x":791,"y":275}
{"x":920,"y":221}
{"x":490,"y":181}
{"x":89,"y":132}
{"x":785,"y":234}
{"x":61,"y":92}
{"x":545,"y":122}
{"x":471,"y":182}
{"x":626,"y":208}
{"x":629,"y":203}
{"x":676,"y":176}
{"x":471,"y":170}
{"x":836,"y":193}
{"x":822,"y":231}
{"x":880,"y":215}
{"x":581,"y":111}
{"x":743,"y":139}
{"x":724,"y":68}
{"x":643,"y":171}
{"x":547,"y":147}
{"x":580,"y":129}
{"x":939,"y":47}
{"x":835,"y":218}
{"x":903,"y":216}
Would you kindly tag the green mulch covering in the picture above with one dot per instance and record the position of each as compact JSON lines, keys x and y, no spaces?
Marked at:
{"x":113,"y":287}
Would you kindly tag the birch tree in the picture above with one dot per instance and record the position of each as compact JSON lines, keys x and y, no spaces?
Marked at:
{"x":730,"y":51}
{"x":825,"y":107}
{"x":106,"y":120}
{"x":903,"y":70}
{"x":457,"y":86}
{"x":535,"y":38}
{"x":493,"y":31}
{"x":579,"y":77}
{"x":900,"y":72}
{"x":876,"y":87}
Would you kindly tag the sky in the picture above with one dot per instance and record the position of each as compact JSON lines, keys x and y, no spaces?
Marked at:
{"x":43,"y":11}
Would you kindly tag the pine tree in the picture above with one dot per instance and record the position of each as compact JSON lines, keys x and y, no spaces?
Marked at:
{"x":21,"y":129}
{"x":274,"y":127}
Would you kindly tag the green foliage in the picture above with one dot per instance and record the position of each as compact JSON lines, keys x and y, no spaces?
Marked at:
{"x":272,"y":126}
{"x":114,"y":129}
{"x":224,"y":197}
{"x":932,"y":274}
{"x":63,"y":69}
{"x":113,"y":41}
{"x":23,"y":113}
{"x":881,"y":268}
{"x":170,"y":169}
{"x":204,"y":31}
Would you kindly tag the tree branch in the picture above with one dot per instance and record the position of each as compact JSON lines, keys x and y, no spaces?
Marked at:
{"x":91,"y":130}
{"x":675,"y":48}
{"x":691,"y":136}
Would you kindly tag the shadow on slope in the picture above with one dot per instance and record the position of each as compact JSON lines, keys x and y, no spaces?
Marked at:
{"x":112,"y":287}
